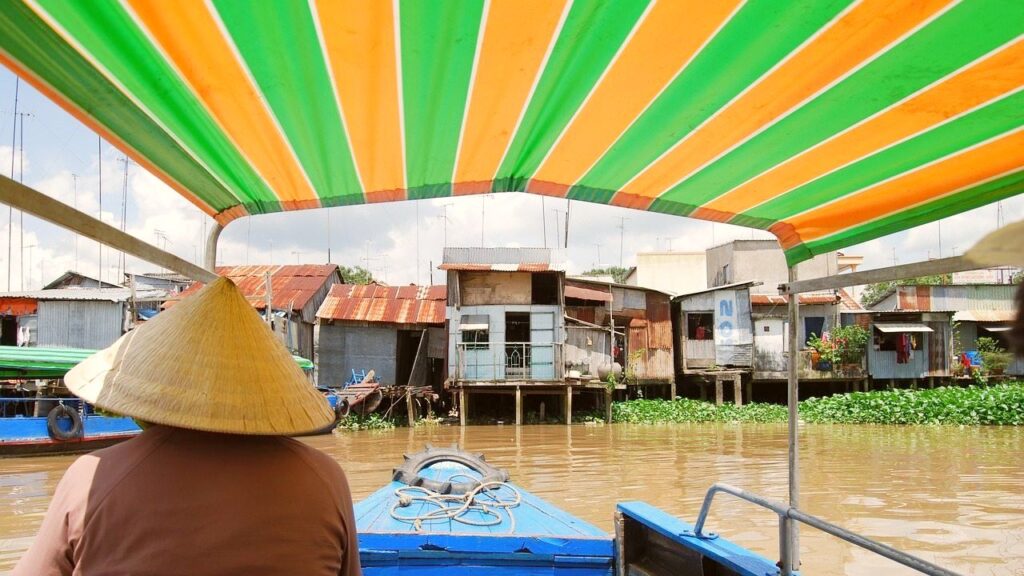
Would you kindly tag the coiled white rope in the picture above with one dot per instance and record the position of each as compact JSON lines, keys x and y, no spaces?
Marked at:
{"x":456,"y":507}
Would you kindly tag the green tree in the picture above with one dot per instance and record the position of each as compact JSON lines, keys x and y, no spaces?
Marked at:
{"x":616,"y":272}
{"x":356,"y":275}
{"x":875,"y":292}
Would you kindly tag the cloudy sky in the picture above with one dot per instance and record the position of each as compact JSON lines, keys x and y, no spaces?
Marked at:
{"x":400,"y":242}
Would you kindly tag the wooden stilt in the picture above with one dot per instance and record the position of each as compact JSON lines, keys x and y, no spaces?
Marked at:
{"x":608,"y":404}
{"x":703,"y":390}
{"x":519,"y":406}
{"x":463,"y":406}
{"x":737,"y":390}
{"x":719,"y":398}
{"x":750,"y":391}
{"x":568,"y":405}
{"x":410,"y":408}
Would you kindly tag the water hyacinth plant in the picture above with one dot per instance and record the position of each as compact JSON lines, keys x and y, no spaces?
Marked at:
{"x":1001,"y":405}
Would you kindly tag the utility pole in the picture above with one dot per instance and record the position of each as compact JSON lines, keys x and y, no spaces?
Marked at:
{"x":328,"y":240}
{"x":297,"y":255}
{"x":568,"y":206}
{"x":31,"y":250}
{"x":99,"y":164}
{"x":444,"y":218}
{"x":21,"y":213}
{"x":598,"y":254}
{"x":557,"y":220}
{"x":74,"y":181}
{"x":939,"y":222}
{"x":544,"y":219}
{"x":10,"y":210}
{"x":124,"y":215}
{"x":622,"y":235}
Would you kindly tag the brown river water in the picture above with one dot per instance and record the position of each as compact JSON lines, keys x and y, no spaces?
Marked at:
{"x":954,"y":496}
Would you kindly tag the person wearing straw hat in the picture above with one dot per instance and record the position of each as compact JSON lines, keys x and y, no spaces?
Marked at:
{"x":1005,"y":247}
{"x":214,"y":484}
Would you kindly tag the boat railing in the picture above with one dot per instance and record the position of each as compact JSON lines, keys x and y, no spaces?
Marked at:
{"x":26,"y":406}
{"x":789,"y":514}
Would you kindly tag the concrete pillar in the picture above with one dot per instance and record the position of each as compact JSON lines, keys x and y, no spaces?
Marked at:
{"x":608,"y":404}
{"x":719,"y":399}
{"x":737,"y":390}
{"x":568,"y":405}
{"x":519,"y":406}
{"x":463,"y":406}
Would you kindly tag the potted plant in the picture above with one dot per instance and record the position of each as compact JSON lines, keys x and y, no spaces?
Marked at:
{"x":827,"y":353}
{"x":851,"y":343}
{"x":994,"y":357}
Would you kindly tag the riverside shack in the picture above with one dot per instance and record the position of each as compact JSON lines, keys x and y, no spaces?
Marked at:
{"x":295,"y":294}
{"x":628,"y":325}
{"x":396,"y":331}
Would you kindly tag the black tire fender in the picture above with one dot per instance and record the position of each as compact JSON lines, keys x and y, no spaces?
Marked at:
{"x":53,"y":423}
{"x":409,"y":471}
{"x":341,"y":408}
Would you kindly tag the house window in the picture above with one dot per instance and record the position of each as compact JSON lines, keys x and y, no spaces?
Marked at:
{"x":699,"y":326}
{"x":813,"y":325}
{"x":475,"y":330}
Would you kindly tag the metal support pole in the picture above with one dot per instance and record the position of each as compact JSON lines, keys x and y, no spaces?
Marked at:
{"x":40,"y":205}
{"x":791,"y":549}
{"x":210,"y":263}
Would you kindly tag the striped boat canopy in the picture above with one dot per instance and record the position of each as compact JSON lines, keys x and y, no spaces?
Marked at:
{"x":826,"y":122}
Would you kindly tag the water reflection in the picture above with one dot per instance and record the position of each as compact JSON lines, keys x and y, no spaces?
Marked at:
{"x":953,"y":495}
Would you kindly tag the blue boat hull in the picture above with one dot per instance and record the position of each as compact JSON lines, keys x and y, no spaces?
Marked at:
{"x":26,"y":435}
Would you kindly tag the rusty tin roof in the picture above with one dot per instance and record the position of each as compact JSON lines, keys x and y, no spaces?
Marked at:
{"x":385,"y":304}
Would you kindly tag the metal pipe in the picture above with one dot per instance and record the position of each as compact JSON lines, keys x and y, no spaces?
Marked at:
{"x":868,"y":544}
{"x":212,"y":240}
{"x":791,"y":560}
{"x":790,"y":515}
{"x":900,"y":272}
{"x":42,"y":206}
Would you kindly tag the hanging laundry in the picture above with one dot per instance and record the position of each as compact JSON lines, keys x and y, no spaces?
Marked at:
{"x":903,"y":346}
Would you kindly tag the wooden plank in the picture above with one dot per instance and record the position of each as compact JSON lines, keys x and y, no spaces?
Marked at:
{"x":900,"y":272}
{"x":56,"y":212}
{"x":519,"y":406}
{"x":737,"y":391}
{"x":719,"y":399}
{"x":568,"y":406}
{"x":463,"y":405}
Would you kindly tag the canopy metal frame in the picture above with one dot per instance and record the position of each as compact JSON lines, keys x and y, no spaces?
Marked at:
{"x":46,"y":208}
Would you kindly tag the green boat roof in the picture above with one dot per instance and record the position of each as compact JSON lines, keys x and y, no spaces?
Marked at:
{"x":40,"y":363}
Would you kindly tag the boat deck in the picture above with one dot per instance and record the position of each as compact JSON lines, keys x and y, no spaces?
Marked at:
{"x":538,"y":538}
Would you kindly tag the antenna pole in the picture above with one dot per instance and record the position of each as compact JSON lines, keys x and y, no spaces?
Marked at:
{"x":10,"y":210}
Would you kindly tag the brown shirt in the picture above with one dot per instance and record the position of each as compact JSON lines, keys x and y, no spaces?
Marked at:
{"x":174,"y":501}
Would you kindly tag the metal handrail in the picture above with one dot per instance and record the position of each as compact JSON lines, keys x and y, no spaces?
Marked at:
{"x":505,"y":358}
{"x":787,"y":514}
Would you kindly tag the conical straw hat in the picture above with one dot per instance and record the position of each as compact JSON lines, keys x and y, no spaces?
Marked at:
{"x":209,"y":363}
{"x":1004,"y":247}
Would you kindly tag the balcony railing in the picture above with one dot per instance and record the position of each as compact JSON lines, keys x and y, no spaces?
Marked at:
{"x":508,"y":361}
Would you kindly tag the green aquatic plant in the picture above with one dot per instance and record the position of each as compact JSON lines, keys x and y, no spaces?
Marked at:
{"x":369,"y":422}
{"x":1001,"y":404}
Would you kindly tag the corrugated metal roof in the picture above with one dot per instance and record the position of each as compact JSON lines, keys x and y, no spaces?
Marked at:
{"x":581,"y":293}
{"x":956,"y":297}
{"x":292,"y":287}
{"x":386,"y":304}
{"x":805,"y":299}
{"x":498,"y":259}
{"x":985,"y":316}
{"x":95,"y":294}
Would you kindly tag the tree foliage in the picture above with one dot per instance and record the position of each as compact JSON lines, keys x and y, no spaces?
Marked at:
{"x":356,"y":275}
{"x":617,"y":273}
{"x":875,"y":292}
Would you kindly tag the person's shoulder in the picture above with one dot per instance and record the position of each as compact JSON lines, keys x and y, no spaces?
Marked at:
{"x":320,"y":461}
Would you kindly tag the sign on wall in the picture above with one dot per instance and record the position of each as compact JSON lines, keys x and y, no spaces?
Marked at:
{"x":726,"y":318}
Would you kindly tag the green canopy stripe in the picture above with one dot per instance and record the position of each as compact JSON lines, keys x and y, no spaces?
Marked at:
{"x":271,"y":40}
{"x":706,"y":86}
{"x":592,"y":35}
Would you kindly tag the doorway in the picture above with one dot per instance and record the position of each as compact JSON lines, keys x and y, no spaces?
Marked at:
{"x":408,"y":344}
